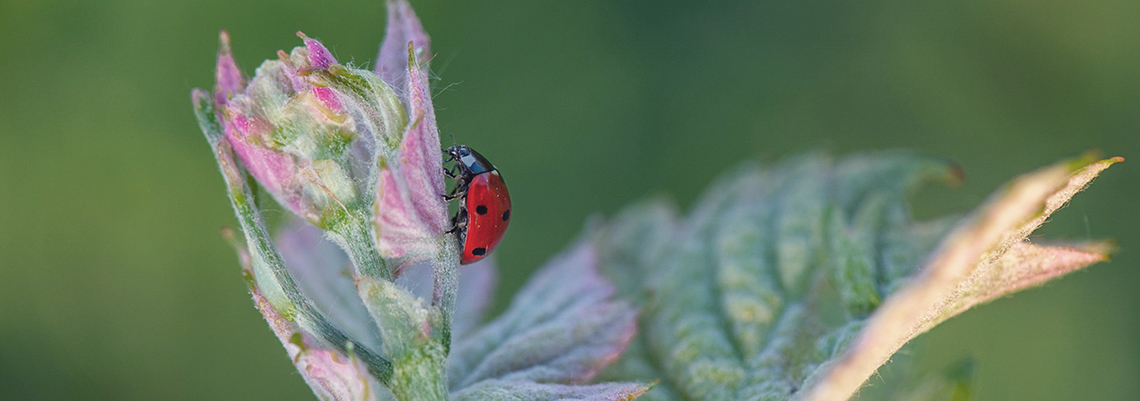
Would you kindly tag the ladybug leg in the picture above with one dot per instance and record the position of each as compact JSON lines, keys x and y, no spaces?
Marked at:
{"x":459,"y":191}
{"x":459,"y":222}
{"x":450,"y":172}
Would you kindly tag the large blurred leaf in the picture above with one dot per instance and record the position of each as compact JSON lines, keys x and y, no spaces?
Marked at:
{"x":800,"y":279}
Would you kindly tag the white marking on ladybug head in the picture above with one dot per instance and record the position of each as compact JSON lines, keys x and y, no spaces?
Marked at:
{"x":468,"y":159}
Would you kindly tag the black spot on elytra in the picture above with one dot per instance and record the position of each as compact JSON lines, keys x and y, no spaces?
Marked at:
{"x":479,"y":251}
{"x":481,"y":209}
{"x":507,"y":215}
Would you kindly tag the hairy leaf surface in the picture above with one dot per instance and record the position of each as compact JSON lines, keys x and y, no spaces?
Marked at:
{"x":798,"y":280}
{"x":562,"y":328}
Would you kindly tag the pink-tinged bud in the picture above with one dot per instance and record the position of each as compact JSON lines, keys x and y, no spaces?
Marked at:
{"x":319,"y":55}
{"x":331,"y":374}
{"x":296,"y":123}
{"x":275,"y":171}
{"x":228,"y":77}
{"x":403,"y":27}
{"x":411,"y":215}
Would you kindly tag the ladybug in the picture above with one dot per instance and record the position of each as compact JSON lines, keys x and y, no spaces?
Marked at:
{"x":485,"y":205}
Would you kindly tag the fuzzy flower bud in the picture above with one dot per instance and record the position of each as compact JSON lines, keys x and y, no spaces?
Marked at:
{"x":411,"y":215}
{"x":294,"y":125}
{"x":356,"y":153}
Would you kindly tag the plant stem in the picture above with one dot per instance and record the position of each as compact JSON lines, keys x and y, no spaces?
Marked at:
{"x":421,"y":374}
{"x":355,"y":237}
{"x":445,"y":290}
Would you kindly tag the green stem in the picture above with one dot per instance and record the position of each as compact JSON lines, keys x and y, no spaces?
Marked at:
{"x":419,"y":360}
{"x":445,"y":290}
{"x":307,"y":315}
{"x":421,"y":374}
{"x":355,"y":236}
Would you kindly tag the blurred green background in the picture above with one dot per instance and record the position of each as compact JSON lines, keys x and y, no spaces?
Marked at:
{"x":115,"y":284}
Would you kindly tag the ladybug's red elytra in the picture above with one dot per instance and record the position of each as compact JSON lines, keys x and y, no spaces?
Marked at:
{"x":485,"y":205}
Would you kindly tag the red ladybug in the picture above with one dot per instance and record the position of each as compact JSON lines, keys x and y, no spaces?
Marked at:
{"x":485,"y":209}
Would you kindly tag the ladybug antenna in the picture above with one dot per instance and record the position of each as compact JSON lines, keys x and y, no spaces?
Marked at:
{"x":452,"y":139}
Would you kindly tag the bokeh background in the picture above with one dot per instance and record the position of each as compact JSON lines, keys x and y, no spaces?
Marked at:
{"x":115,"y":284}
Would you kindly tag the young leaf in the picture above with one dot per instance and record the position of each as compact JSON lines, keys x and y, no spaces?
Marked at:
{"x":403,"y":28}
{"x":333,"y":375}
{"x":324,"y":274}
{"x":799,"y":280}
{"x":476,"y":289}
{"x":561,"y":329}
{"x":986,"y":257}
{"x":519,"y":390}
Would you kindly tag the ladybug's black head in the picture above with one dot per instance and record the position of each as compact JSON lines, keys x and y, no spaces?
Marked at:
{"x":470,"y":161}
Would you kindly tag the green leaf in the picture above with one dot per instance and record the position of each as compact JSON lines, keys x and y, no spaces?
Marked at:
{"x":324,"y":274}
{"x":562,"y":328}
{"x":507,"y":390}
{"x":799,"y":280}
